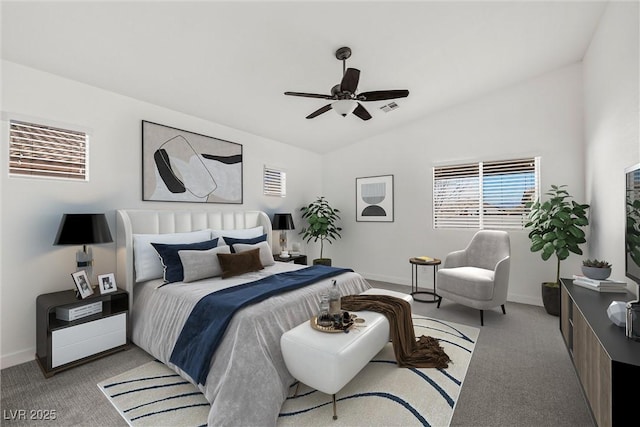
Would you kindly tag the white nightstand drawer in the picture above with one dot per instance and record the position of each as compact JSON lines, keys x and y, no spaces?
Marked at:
{"x":86,"y":339}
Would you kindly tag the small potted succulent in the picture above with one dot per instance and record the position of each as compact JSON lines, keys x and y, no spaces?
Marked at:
{"x":595,"y":269}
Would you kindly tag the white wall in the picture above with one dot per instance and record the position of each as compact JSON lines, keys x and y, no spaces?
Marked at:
{"x":539,"y":117}
{"x":32,"y":208}
{"x":611,"y":95}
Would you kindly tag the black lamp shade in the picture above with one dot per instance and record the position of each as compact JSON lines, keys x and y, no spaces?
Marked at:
{"x":282,"y":221}
{"x":83,"y":229}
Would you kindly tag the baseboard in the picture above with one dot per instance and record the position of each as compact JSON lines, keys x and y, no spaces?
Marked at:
{"x":18,"y":358}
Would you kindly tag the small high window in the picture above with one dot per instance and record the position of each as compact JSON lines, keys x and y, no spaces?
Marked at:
{"x":274,"y":182}
{"x":44,"y":151}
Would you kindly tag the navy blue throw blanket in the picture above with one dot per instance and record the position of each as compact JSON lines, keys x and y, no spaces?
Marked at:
{"x":208,"y":321}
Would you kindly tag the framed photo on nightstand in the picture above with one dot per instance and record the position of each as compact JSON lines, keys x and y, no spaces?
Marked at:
{"x":82,"y":283}
{"x":107,"y":283}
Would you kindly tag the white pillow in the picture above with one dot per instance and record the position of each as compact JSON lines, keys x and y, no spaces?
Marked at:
{"x":146,"y":260}
{"x":202,"y":264}
{"x":266,"y":257}
{"x":245,"y":233}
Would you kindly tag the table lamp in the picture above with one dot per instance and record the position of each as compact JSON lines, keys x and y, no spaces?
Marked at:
{"x":83,"y":229}
{"x":283,"y":222}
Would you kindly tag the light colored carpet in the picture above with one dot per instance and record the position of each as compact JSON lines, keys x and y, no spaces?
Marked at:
{"x":153,"y":395}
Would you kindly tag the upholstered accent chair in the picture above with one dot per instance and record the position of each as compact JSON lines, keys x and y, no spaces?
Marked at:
{"x":478,"y":276}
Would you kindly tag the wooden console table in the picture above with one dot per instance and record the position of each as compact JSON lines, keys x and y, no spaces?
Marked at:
{"x":606,"y":361}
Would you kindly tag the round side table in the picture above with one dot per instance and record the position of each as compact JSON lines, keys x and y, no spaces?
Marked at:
{"x":415,"y":263}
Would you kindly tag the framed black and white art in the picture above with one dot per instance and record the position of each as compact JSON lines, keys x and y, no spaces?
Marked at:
{"x":82,"y":283}
{"x":182,"y":166}
{"x":107,"y":283}
{"x":374,"y":199}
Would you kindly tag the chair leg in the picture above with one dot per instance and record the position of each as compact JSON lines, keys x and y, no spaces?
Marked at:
{"x":481,"y":317}
{"x":335,"y":412}
{"x":439,"y":301}
{"x":503,"y":310}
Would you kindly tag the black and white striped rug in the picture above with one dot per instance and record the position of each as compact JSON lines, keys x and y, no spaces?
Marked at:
{"x":380,"y":395}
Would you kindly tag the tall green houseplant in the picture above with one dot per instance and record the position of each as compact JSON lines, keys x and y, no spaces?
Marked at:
{"x":321,"y":219}
{"x":556,"y":230}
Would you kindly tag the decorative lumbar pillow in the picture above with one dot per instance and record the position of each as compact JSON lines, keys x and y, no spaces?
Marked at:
{"x":198,"y":265}
{"x":266,"y":257}
{"x":170,"y":259}
{"x":231,"y":241}
{"x":236,"y":264}
{"x":245,"y":233}
{"x":146,"y":262}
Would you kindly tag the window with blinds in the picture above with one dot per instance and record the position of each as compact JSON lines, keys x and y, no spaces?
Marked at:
{"x":485,"y":194}
{"x":274,"y":182}
{"x":44,"y":151}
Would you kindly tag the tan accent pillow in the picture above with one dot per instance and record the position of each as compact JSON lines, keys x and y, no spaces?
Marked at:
{"x":236,"y":264}
{"x":198,"y":265}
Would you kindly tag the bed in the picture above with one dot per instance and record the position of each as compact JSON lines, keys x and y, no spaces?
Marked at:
{"x":247,"y":380}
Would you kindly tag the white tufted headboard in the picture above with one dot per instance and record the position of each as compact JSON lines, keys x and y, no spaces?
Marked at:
{"x":144,"y":221}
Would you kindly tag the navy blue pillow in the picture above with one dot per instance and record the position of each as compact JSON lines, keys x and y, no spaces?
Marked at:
{"x":173,"y":271}
{"x":232,"y":241}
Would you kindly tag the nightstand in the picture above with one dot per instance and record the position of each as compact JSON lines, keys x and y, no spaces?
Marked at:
{"x":296,"y":259}
{"x":63,"y":344}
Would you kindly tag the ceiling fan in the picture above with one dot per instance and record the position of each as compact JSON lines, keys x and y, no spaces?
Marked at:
{"x":344,"y":95}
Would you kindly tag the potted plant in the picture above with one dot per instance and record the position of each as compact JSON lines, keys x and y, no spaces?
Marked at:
{"x":556,"y":230}
{"x":321,"y":219}
{"x":597,"y":270}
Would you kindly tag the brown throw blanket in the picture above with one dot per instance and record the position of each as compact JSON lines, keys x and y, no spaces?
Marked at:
{"x":425,"y":352}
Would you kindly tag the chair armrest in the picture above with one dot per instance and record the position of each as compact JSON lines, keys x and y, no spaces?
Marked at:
{"x":455,"y":259}
{"x":501,"y":279}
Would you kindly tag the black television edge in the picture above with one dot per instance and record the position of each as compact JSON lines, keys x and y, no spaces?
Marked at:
{"x":632,"y":227}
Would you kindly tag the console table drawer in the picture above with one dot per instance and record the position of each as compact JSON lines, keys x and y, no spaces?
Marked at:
{"x":76,"y":342}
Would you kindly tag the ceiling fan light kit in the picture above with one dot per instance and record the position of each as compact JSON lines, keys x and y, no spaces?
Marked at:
{"x":346,"y":101}
{"x":344,"y":106}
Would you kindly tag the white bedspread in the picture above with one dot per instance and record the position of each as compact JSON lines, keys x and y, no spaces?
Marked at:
{"x":248,"y":380}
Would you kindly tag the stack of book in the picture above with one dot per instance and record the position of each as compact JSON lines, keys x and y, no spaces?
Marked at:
{"x":599,"y":285}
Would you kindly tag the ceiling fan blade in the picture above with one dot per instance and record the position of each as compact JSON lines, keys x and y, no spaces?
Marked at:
{"x":362,"y":112}
{"x":309,"y":95}
{"x":319,"y":111}
{"x":350,"y":80}
{"x":380,"y":95}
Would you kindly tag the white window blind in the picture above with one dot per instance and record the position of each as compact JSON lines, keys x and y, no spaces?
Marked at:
{"x":44,"y":151}
{"x":484,"y":194}
{"x":275,"y":182}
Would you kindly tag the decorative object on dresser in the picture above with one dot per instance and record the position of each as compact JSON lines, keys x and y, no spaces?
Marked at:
{"x":606,"y":361}
{"x":283,"y":222}
{"x":617,"y":312}
{"x":595,"y":269}
{"x":374,"y":199}
{"x":321,"y":219}
{"x":83,"y":229}
{"x":69,"y":332}
{"x":182,"y":166}
{"x":555,"y":226}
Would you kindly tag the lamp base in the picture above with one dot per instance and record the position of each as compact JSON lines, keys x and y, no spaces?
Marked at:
{"x":84,"y":261}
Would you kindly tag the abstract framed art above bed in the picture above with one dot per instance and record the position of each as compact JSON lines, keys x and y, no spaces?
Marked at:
{"x":183,"y":166}
{"x":245,"y":378}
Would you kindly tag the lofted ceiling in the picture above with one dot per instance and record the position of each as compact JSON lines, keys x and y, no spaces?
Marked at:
{"x":231,"y":62}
